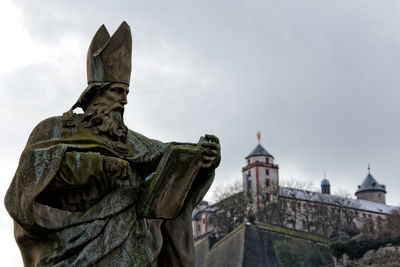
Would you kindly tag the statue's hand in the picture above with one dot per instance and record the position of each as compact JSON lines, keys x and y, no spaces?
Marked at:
{"x":116,"y":168}
{"x":211,"y":150}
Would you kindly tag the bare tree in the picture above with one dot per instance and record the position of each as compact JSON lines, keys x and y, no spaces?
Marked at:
{"x":368,"y":230}
{"x":271,"y":209}
{"x":298,"y":184}
{"x":323,"y":217}
{"x":301,"y":204}
{"x":388,"y":226}
{"x":307,"y":210}
{"x":231,"y":208}
{"x":393,"y":223}
{"x":346,"y":214}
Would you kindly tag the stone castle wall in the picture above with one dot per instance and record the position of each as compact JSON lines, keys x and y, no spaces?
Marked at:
{"x":374,"y":196}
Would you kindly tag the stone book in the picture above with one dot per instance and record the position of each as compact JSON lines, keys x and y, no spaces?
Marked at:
{"x":165,"y":193}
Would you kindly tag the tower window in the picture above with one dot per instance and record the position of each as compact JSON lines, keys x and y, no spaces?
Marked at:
{"x":249,"y":173}
{"x":266,"y":160}
{"x":267,"y":182}
{"x":267,"y":171}
{"x":248,"y":162}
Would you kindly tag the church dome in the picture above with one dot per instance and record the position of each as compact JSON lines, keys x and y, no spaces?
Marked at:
{"x":370,"y":183}
{"x":325,"y":182}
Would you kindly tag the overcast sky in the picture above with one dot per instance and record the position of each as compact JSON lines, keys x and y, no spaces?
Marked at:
{"x":319,"y":79}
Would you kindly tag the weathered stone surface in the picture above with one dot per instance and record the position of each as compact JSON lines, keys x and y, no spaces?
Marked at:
{"x":90,"y":192}
{"x":229,"y":252}
{"x":258,"y":246}
{"x":387,"y":256}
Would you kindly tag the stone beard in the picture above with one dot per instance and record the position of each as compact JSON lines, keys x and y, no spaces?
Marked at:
{"x":104,"y":118}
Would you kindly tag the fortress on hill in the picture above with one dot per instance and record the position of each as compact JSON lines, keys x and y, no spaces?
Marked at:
{"x":315,"y":212}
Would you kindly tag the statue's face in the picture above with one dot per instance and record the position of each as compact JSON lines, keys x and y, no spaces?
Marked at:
{"x":104,"y":114}
{"x":116,"y":95}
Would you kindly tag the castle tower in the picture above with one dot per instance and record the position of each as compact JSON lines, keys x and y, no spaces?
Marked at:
{"x":371,"y":190}
{"x":325,"y":186}
{"x":261,"y":176}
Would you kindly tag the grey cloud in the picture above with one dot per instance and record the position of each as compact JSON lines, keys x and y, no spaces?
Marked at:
{"x":318,"y":79}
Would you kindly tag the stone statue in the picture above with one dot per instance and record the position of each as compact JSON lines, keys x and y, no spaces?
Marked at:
{"x":90,"y":192}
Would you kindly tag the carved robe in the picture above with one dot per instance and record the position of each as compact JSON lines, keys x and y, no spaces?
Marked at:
{"x":67,"y":212}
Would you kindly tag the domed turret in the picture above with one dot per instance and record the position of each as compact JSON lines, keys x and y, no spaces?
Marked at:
{"x":371,"y":190}
{"x":325,"y":186}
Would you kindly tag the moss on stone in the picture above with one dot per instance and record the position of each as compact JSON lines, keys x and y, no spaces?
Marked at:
{"x":228,"y":235}
{"x":293,"y":253}
{"x":294,"y":233}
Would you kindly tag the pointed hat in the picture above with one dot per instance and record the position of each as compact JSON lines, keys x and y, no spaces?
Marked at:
{"x":110,"y":59}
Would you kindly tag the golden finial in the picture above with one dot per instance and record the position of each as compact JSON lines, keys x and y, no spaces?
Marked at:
{"x":258,"y":136}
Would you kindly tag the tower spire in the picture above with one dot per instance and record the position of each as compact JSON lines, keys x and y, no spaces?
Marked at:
{"x":369,"y":168}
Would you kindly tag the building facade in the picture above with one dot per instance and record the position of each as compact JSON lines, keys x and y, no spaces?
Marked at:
{"x":315,"y":212}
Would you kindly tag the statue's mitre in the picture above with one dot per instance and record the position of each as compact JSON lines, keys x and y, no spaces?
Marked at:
{"x":109,"y":59}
